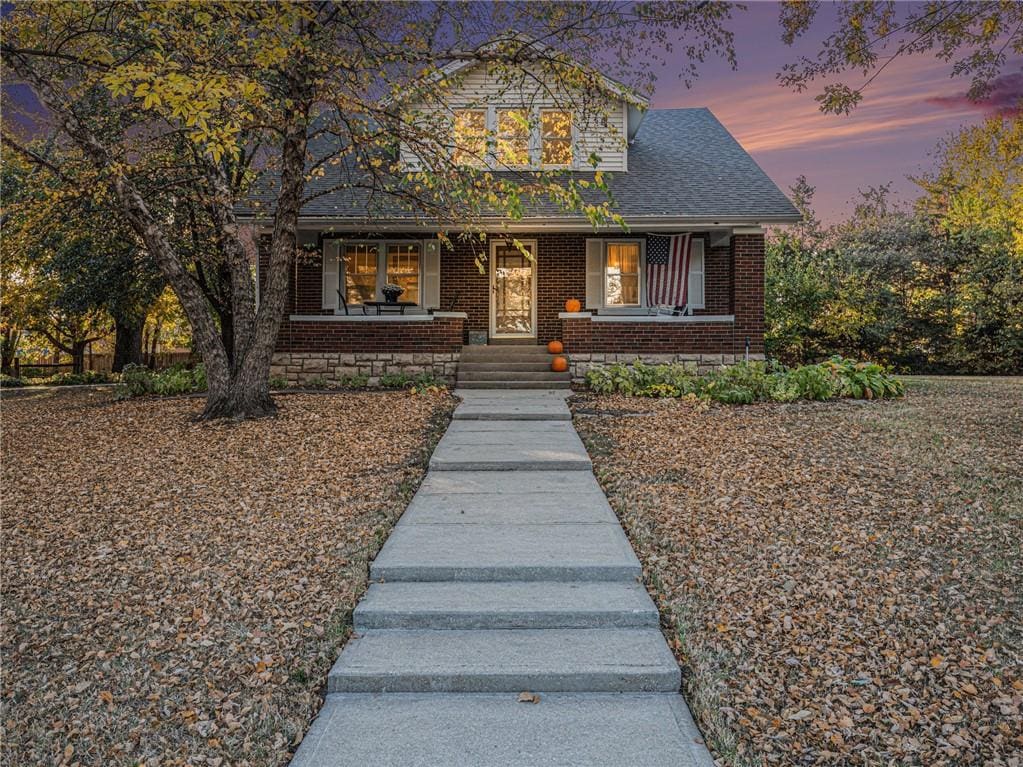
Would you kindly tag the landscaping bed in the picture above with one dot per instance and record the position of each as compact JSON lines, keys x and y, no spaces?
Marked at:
{"x":175,"y":592}
{"x":841,"y":581}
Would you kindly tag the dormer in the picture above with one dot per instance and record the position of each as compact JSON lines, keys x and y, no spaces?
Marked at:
{"x":482,"y":116}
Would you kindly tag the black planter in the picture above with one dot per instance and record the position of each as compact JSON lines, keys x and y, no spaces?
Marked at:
{"x":391,"y":296}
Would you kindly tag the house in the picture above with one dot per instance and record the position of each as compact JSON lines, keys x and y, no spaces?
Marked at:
{"x":671,"y":172}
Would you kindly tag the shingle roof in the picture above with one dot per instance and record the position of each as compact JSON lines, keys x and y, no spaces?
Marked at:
{"x":683,"y":165}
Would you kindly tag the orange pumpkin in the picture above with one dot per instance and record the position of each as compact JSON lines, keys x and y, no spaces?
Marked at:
{"x":555,"y":347}
{"x":573,"y":305}
{"x":559,"y":364}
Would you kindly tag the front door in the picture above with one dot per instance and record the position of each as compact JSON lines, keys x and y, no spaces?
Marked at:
{"x":512,"y":290}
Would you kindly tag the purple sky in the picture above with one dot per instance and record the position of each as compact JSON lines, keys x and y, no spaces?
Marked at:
{"x":905,"y":111}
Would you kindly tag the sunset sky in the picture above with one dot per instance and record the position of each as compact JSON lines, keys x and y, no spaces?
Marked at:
{"x":905,"y":111}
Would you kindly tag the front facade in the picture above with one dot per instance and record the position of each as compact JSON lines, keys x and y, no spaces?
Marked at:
{"x":677,"y":176}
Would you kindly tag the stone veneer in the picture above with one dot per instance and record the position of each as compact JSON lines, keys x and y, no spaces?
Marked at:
{"x":580,"y":362}
{"x":299,"y":368}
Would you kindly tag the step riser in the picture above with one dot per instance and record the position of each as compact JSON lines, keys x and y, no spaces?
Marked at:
{"x":623,"y":681}
{"x":465,"y":376}
{"x":366,"y":620}
{"x":516,"y":385}
{"x":590,"y":573}
{"x":544,"y":366}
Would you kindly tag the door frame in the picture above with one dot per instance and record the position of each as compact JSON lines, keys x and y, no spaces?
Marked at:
{"x":493,"y":293}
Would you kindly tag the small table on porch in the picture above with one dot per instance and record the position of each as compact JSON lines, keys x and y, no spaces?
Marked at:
{"x":383,"y":307}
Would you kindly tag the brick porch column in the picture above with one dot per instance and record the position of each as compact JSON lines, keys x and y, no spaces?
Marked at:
{"x":747,"y":262}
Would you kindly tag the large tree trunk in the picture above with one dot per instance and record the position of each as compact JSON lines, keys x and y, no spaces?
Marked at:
{"x":8,"y":350}
{"x":127,"y":343}
{"x":78,"y":356}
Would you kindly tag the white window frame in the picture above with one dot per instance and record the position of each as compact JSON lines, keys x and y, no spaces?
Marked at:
{"x":571,"y":138}
{"x":607,"y":308}
{"x":641,"y":245}
{"x":535,"y":136}
{"x":488,"y":123}
{"x":381,"y":268}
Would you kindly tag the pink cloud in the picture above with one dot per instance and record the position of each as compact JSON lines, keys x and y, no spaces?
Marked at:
{"x":1006,"y":97}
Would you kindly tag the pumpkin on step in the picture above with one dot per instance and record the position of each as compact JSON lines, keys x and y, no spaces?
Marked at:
{"x":573,"y":305}
{"x":559,"y":364}
{"x":555,"y":347}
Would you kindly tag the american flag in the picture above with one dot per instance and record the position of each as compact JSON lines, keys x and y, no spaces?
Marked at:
{"x":667,"y":269}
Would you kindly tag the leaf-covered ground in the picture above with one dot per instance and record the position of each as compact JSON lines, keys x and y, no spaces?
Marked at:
{"x":175,"y":592}
{"x":842,"y":582}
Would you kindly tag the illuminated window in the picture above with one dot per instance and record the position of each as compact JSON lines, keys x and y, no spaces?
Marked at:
{"x":556,"y":137}
{"x":621,"y":274}
{"x":512,"y":137}
{"x":361,"y":269}
{"x":470,"y":137}
{"x":403,"y":269}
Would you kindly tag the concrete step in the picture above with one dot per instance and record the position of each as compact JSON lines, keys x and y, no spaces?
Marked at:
{"x":524,"y":552}
{"x":495,"y":730}
{"x":548,"y":660}
{"x":509,"y":498}
{"x":505,"y":354}
{"x":510,"y":446}
{"x":516,"y":366}
{"x":506,"y":605}
{"x":466,"y":376}
{"x":515,"y":384}
{"x":512,"y":405}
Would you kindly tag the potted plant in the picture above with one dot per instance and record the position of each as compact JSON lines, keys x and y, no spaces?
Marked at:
{"x":391,"y":292}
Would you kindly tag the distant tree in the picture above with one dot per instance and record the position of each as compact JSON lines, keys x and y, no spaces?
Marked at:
{"x":978,"y":37}
{"x":977,"y":181}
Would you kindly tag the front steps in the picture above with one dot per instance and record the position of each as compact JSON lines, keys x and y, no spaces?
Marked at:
{"x":516,"y":366}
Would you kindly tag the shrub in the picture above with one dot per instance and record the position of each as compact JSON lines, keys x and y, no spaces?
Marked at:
{"x":10,"y":382}
{"x":395,"y":380}
{"x":748,"y":382}
{"x":278,"y":382}
{"x":316,"y":382}
{"x":138,"y":380}
{"x":355,"y":381}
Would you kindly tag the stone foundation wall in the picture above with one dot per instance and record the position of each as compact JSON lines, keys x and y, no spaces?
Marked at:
{"x":580,"y":362}
{"x":299,"y":368}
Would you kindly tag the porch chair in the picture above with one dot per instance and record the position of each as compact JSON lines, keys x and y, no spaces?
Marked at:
{"x":341,"y":298}
{"x":671,"y":311}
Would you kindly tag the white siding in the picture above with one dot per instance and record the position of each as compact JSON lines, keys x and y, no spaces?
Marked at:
{"x":598,"y":131}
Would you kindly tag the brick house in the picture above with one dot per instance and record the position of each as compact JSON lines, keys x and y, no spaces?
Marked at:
{"x":671,"y":172}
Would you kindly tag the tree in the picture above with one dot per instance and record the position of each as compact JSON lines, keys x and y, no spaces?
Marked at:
{"x":978,"y":179}
{"x":977,"y":36}
{"x":246,"y":88}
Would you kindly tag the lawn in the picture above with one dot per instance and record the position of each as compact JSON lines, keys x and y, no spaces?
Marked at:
{"x":843,"y":581}
{"x":175,"y":592}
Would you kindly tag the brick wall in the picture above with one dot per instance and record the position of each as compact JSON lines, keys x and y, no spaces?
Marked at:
{"x":583,"y":335}
{"x":561,"y":274}
{"x":747,"y":257}
{"x":441,"y":334}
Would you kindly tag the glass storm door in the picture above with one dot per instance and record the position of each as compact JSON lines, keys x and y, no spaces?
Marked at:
{"x":512,"y":291}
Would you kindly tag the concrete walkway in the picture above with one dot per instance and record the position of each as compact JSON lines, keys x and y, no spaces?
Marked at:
{"x":507,"y":573}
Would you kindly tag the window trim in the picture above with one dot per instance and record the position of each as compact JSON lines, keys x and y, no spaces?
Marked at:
{"x":643,"y":304}
{"x":528,"y":136}
{"x":571,"y":139}
{"x":382,"y":246}
{"x":534,"y":138}
{"x":485,"y":156}
{"x":640,"y":266}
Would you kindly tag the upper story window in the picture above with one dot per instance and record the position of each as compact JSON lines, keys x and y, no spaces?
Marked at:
{"x":555,"y":137}
{"x":512,"y":145}
{"x":470,"y":137}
